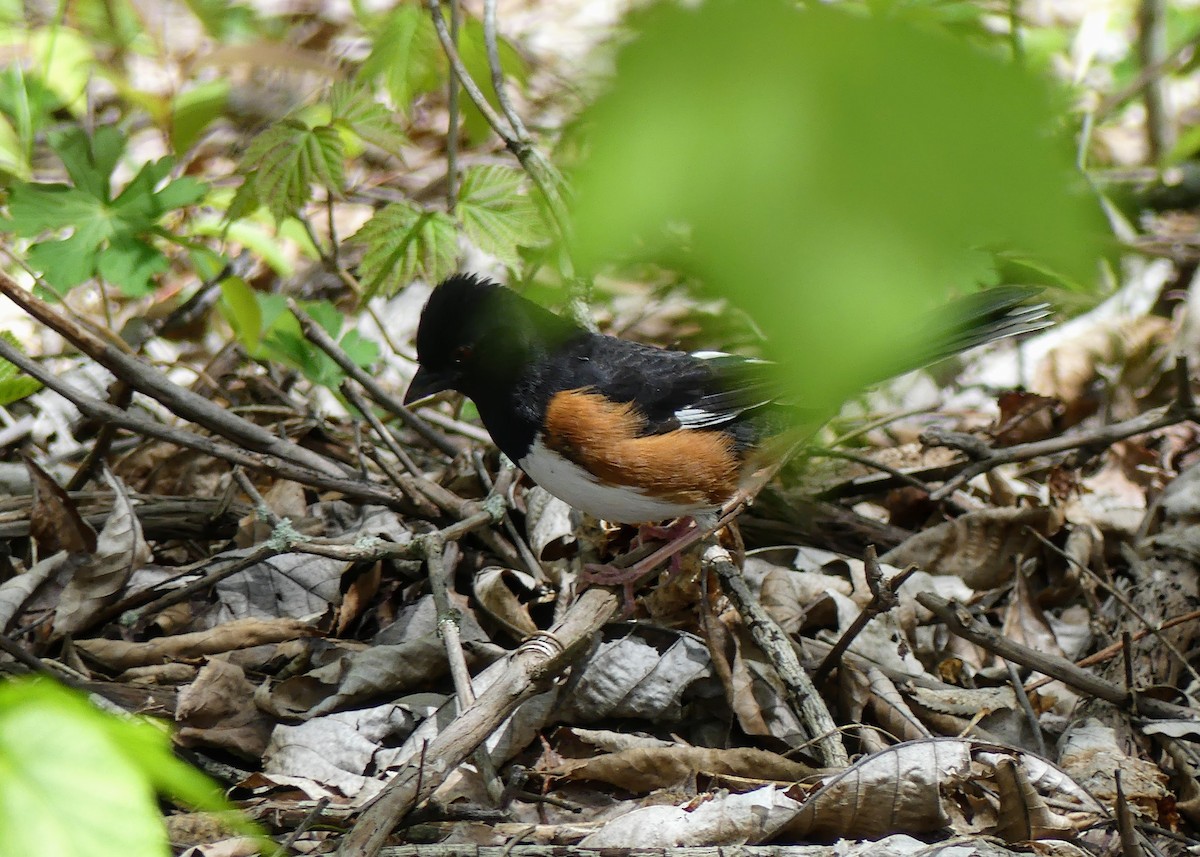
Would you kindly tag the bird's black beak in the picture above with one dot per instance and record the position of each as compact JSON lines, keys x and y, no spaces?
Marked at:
{"x":425,"y":383}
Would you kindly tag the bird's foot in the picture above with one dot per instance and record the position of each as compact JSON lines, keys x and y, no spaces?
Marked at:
{"x":630,"y":577}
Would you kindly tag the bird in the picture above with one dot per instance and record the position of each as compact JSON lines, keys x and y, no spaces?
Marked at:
{"x":629,"y":432}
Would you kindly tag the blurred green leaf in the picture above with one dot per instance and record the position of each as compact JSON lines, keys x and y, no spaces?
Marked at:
{"x":14,"y":386}
{"x":497,"y":214}
{"x":64,"y":62}
{"x":403,"y":242}
{"x":76,"y":781}
{"x":224,"y":20}
{"x":194,"y":109}
{"x":473,"y":50}
{"x":835,"y":174}
{"x":406,"y":54}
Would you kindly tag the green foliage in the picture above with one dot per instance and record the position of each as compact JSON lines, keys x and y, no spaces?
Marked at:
{"x":801,"y":161}
{"x":109,"y":236}
{"x":497,"y":214}
{"x":282,"y":165}
{"x":268,"y":331}
{"x":224,"y":20}
{"x":404,"y":241}
{"x":194,"y":109}
{"x":13,"y":385}
{"x":408,"y":57}
{"x":76,"y":781}
{"x":405,"y":53}
{"x":284,"y":161}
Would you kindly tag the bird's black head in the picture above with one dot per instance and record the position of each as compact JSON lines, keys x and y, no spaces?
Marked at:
{"x":476,"y":337}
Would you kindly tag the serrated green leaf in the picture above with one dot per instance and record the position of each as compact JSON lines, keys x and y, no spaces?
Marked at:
{"x":287,"y":158}
{"x":404,"y":242}
{"x":496,"y":213}
{"x":406,"y":53}
{"x":353,"y":108}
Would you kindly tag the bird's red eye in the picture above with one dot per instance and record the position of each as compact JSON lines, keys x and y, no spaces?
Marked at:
{"x":462,"y":354}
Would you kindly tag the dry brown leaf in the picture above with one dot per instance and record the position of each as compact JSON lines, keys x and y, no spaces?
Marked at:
{"x":120,"y":550}
{"x":217,"y":710}
{"x":493,"y":587}
{"x":238,"y":634}
{"x":1091,"y":753}
{"x":644,"y":769}
{"x":724,"y":819}
{"x":1068,"y":371}
{"x":980,"y":547}
{"x":54,"y":521}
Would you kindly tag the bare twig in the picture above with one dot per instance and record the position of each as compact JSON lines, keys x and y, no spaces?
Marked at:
{"x":529,"y":671}
{"x":146,"y":379}
{"x":959,"y":621}
{"x":801,"y":692}
{"x":989,"y":458}
{"x":1152,"y":50}
{"x":103,"y":411}
{"x":315,"y":334}
{"x":883,"y":599}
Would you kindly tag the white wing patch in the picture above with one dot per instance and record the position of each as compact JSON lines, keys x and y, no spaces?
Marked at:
{"x":718,"y":409}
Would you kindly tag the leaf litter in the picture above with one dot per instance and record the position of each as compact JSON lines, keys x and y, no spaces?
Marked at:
{"x":296,"y":633}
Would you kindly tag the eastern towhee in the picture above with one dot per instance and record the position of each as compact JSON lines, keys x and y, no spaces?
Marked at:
{"x":629,"y":432}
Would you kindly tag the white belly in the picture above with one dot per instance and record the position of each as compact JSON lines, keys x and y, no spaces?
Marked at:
{"x":572,"y":484}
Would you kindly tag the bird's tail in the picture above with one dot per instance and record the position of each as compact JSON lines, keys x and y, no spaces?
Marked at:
{"x":983,"y":317}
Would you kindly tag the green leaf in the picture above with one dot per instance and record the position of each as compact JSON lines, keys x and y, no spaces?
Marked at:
{"x":38,"y":208}
{"x":131,"y":264}
{"x":287,"y":158}
{"x":64,"y":264}
{"x":223,"y":20}
{"x":497,"y":214}
{"x":66,"y":787}
{"x":364,"y":352}
{"x":13,"y":159}
{"x":65,"y":62}
{"x":90,"y":160}
{"x":845,"y":187}
{"x":404,"y":242}
{"x":76,"y":781}
{"x":194,"y":109}
{"x":406,"y":53}
{"x":353,"y":108}
{"x":13,"y":384}
{"x":473,"y":50}
{"x":240,"y":306}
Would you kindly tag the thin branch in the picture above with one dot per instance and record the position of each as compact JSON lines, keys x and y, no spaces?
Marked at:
{"x":316,"y":334}
{"x":883,"y":599}
{"x":801,"y":693}
{"x":529,"y":671}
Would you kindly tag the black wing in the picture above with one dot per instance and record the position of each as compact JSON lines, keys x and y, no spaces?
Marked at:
{"x":674,"y":389}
